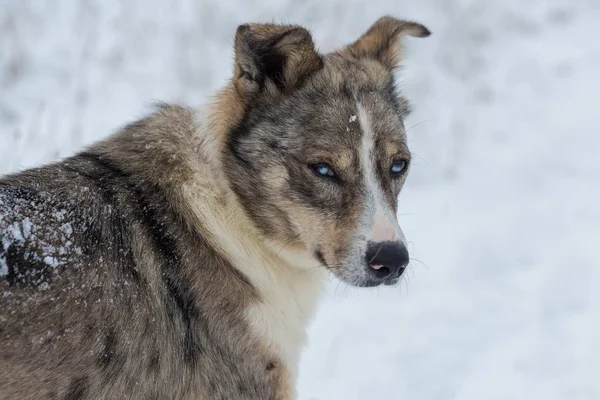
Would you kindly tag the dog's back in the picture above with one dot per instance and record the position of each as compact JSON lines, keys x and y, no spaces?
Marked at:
{"x":98,"y":269}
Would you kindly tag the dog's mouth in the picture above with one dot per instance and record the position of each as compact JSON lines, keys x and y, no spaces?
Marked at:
{"x":364,"y":273}
{"x":391,"y":282}
{"x":368,"y":277}
{"x":388,"y":281}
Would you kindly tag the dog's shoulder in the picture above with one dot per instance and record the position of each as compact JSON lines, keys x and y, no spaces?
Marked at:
{"x":160,"y":147}
{"x":54,"y":216}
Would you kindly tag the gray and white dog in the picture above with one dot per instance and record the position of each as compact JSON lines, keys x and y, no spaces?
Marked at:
{"x":182,"y":257}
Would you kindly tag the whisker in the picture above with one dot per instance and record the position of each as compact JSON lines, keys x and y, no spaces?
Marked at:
{"x":378,"y":250}
{"x":417,"y":124}
{"x":288,"y":242}
{"x":336,"y":289}
{"x":405,"y":280}
{"x":419,"y":156}
{"x":420,"y":262}
{"x":412,"y":271}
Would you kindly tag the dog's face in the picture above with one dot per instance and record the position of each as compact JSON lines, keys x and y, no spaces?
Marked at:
{"x":320,"y":156}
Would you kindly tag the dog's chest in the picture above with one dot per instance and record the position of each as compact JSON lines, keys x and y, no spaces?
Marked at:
{"x":288,"y":301}
{"x":288,"y":283}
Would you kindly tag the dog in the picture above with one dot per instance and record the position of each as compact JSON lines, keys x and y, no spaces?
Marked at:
{"x":182,"y":257}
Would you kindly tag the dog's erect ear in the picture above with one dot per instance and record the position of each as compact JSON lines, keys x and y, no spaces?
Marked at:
{"x":383,"y":40}
{"x":277,"y":56}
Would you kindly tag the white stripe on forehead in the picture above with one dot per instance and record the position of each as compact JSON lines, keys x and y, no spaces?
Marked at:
{"x":367,"y":149}
{"x":377,"y":204}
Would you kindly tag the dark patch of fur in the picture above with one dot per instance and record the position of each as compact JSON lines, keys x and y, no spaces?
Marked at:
{"x":181,"y":296}
{"x":319,"y":256}
{"x":241,"y":130}
{"x":262,"y":47}
{"x":108,"y":179}
{"x":77,"y":389}
{"x":176,"y":287}
{"x":154,"y":361}
{"x":24,"y":268}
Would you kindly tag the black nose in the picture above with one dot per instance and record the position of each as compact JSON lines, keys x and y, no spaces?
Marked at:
{"x":386,"y":259}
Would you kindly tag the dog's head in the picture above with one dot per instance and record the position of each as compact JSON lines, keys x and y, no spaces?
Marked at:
{"x":318,"y":153}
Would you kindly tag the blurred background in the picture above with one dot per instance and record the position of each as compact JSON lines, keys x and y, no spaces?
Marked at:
{"x":501,"y":207}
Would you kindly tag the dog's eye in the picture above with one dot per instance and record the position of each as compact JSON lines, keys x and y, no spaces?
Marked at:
{"x":323,"y":170}
{"x":398,"y":167}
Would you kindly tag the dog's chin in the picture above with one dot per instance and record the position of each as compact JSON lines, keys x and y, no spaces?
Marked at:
{"x":379,"y":282}
{"x":366,"y":281}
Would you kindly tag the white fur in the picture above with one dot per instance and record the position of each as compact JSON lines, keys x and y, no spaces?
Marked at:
{"x":289,"y":281}
{"x":384,"y":224}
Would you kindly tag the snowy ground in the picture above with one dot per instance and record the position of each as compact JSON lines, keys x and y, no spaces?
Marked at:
{"x":501,"y":207}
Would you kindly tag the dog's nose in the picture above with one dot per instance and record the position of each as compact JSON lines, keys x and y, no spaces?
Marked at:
{"x":387,"y":259}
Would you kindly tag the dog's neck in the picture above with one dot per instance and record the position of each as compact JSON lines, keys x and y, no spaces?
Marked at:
{"x":287,"y":279}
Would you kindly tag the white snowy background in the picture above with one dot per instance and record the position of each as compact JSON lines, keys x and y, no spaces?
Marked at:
{"x":502,"y":207}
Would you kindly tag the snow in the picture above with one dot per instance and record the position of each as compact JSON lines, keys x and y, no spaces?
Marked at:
{"x":501,"y":206}
{"x":40,"y":237}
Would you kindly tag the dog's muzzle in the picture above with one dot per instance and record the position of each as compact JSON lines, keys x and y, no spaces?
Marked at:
{"x":385,"y":262}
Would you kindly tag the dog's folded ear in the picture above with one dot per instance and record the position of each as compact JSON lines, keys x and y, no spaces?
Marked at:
{"x":275,"y":57}
{"x":383,"y":41}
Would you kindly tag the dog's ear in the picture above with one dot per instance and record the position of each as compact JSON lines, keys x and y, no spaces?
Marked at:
{"x":383,"y":41}
{"x":276,"y":57}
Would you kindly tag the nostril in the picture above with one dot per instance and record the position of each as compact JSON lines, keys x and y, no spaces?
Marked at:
{"x":386,"y":259}
{"x":382,"y":272}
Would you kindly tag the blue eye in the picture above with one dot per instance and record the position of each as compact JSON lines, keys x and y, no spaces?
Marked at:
{"x":398,"y":167}
{"x":323,"y":170}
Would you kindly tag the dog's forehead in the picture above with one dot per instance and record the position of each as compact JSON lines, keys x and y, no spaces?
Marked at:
{"x":343,"y":85}
{"x":325,"y":111}
{"x":335,"y":112}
